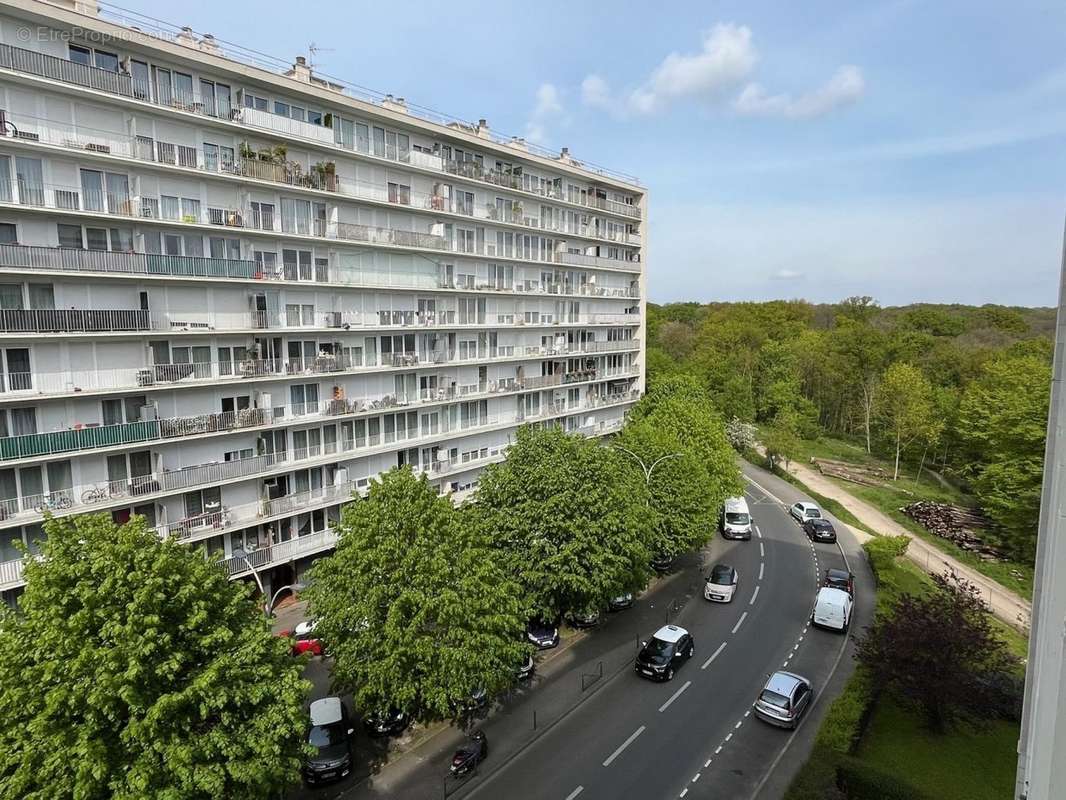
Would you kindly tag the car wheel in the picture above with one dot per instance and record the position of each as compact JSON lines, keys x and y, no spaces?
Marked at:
{"x":670,"y":673}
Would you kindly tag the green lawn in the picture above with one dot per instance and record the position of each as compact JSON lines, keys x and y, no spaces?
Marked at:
{"x":964,"y":765}
{"x":891,"y":499}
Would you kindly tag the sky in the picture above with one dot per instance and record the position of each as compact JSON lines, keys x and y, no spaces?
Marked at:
{"x":911,"y":151}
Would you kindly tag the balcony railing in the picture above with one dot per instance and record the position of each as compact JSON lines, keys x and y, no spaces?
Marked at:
{"x":281,"y":552}
{"x":61,"y":69}
{"x":64,"y":259}
{"x":73,"y":320}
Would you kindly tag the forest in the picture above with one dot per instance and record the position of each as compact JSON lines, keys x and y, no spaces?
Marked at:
{"x":957,"y":392}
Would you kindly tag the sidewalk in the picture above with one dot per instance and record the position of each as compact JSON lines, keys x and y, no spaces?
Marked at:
{"x":1005,"y":604}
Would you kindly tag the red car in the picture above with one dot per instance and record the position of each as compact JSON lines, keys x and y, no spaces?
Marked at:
{"x":304,"y":639}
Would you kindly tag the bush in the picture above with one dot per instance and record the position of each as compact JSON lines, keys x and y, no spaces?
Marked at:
{"x":860,"y":781}
{"x":883,"y":552}
{"x":847,"y":716}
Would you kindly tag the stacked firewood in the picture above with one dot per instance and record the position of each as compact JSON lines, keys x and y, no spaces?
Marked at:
{"x":958,"y":525}
{"x":864,"y":474}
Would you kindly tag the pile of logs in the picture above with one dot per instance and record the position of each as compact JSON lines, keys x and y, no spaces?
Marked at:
{"x":957,"y":525}
{"x":863,"y":474}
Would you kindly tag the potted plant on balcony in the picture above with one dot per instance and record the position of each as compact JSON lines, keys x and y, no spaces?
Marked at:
{"x":247,"y":151}
{"x":279,"y":154}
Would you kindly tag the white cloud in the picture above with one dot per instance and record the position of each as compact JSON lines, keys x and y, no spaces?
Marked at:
{"x":786,"y":275}
{"x":726,"y":57}
{"x":548,"y":108}
{"x":844,"y":88}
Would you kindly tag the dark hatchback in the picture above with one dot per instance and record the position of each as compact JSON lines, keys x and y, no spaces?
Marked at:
{"x":330,"y":736}
{"x":545,"y":635}
{"x":820,"y":530}
{"x":840,"y":579}
{"x":667,"y":650}
{"x":388,"y":723}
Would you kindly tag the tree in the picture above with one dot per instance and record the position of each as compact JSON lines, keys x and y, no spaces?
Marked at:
{"x":740,"y":435}
{"x":863,"y":351}
{"x":567,"y":518}
{"x":781,"y":441}
{"x":906,"y":410}
{"x":413,"y":605}
{"x":135,"y":669}
{"x":683,"y":496}
{"x":941,"y":651}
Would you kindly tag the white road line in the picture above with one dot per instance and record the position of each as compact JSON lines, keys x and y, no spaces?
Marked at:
{"x":707,"y":763}
{"x":758,"y":532}
{"x":747,"y":713}
{"x":762,"y":551}
{"x":766,"y":492}
{"x":729,"y":736}
{"x":740,"y":621}
{"x":756,"y":594}
{"x":696,"y":777}
{"x":575,"y":793}
{"x":762,"y":566}
{"x":739,"y":723}
{"x":674,"y":696}
{"x":718,"y":749}
{"x":683,"y":792}
{"x":714,"y":655}
{"x":623,"y":746}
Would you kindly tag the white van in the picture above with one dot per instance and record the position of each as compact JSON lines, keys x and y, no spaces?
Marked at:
{"x":736,"y":519}
{"x":832,"y":609}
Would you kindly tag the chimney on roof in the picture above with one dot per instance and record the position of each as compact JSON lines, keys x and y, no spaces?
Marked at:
{"x":209,"y":45}
{"x":564,"y":156}
{"x":300,"y":71}
{"x":185,"y":37}
{"x":483,"y":128}
{"x":394,"y":103}
{"x":518,"y":143}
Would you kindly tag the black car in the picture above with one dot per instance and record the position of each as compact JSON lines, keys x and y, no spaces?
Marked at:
{"x":840,"y":579}
{"x":820,"y":530}
{"x":662,"y":562}
{"x":388,"y":723}
{"x":525,"y":670}
{"x":620,"y":602}
{"x":544,"y":635}
{"x":330,"y":736}
{"x":470,"y":754}
{"x":670,"y":647}
{"x":588,"y":618}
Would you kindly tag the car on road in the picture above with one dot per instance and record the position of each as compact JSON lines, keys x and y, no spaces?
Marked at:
{"x":803,"y":511}
{"x":471,"y":753}
{"x":544,"y":635}
{"x":667,"y":650}
{"x":391,"y":722}
{"x":303,"y":639}
{"x":586,"y":618}
{"x":525,"y":670}
{"x":820,"y":530}
{"x":784,"y":699}
{"x":330,"y":735}
{"x":736,"y":519}
{"x":832,"y":609}
{"x":721,"y":584}
{"x":662,"y":562}
{"x":620,"y":602}
{"x":840,"y":579}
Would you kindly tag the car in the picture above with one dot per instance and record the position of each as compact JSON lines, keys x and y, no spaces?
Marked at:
{"x":736,"y":519}
{"x":305,"y":640}
{"x":840,"y":579}
{"x":662,"y":562}
{"x":667,"y":650}
{"x":470,"y":754}
{"x":544,"y":635}
{"x":832,"y":609}
{"x":784,"y":699}
{"x":330,"y":734}
{"x":391,"y":722}
{"x":525,"y":670}
{"x":803,"y":511}
{"x":620,"y":602}
{"x":721,"y":584}
{"x":588,"y":618}
{"x":820,"y":530}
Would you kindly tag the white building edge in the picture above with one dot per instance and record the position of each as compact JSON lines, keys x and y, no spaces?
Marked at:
{"x":229,"y":297}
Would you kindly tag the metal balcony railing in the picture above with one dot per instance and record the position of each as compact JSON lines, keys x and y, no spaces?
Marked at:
{"x":64,"y":259}
{"x":73,"y":320}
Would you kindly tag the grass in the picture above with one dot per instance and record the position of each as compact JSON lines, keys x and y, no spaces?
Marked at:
{"x":965,"y":764}
{"x":1013,"y":575}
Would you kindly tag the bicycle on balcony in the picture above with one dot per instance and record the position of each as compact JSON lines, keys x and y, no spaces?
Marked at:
{"x":56,"y":502}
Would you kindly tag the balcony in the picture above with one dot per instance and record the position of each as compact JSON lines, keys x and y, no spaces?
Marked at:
{"x":280,"y":553}
{"x":65,"y":71}
{"x":580,"y":259}
{"x":63,"y":259}
{"x":73,"y":321}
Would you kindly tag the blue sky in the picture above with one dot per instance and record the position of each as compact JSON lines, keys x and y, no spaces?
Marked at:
{"x":913,"y":151}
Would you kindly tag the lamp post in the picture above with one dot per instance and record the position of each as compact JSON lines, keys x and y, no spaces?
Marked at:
{"x":268,"y":607}
{"x":293,"y":587}
{"x":645,"y":467}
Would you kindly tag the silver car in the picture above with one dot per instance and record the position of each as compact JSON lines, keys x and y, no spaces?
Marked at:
{"x":784,"y":699}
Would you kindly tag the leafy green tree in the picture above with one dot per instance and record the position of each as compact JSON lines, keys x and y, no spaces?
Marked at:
{"x":781,"y":441}
{"x":863,"y":351}
{"x":906,"y":409}
{"x":135,"y":669}
{"x":413,"y":605}
{"x":567,"y":518}
{"x":1002,"y":419}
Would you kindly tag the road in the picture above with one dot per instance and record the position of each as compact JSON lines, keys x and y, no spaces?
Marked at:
{"x":692,"y":737}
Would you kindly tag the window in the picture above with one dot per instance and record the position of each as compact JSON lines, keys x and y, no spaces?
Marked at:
{"x":5,"y":179}
{"x":183,"y":93}
{"x":379,"y":141}
{"x":69,"y":235}
{"x":258,"y":103}
{"x":297,"y":264}
{"x":8,"y":232}
{"x":303,"y":398}
{"x":225,"y":248}
{"x":42,"y":296}
{"x":81,"y":55}
{"x":398,"y":193}
{"x":263,"y":216}
{"x":29,"y":177}
{"x":231,"y":405}
{"x":10,"y":296}
{"x":121,"y":410}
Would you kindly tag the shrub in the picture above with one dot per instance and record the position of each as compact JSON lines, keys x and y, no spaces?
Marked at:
{"x":860,"y":781}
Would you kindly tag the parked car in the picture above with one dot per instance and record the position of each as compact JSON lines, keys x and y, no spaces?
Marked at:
{"x":588,"y":618}
{"x":840,"y":579}
{"x":803,"y":511}
{"x":621,"y":602}
{"x":784,"y":699}
{"x":820,"y":530}
{"x":330,"y":734}
{"x":736,"y":519}
{"x":662,"y":562}
{"x":305,"y":640}
{"x":721,"y":584}
{"x":525,"y":670}
{"x":391,"y":722}
{"x":544,"y":635}
{"x":667,"y":650}
{"x":832,"y":609}
{"x":470,"y":753}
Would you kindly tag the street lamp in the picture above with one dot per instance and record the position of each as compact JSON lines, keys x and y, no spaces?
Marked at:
{"x":269,"y":606}
{"x":293,"y":587}
{"x":647,"y":469}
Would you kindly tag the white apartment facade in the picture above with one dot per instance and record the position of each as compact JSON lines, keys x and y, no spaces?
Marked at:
{"x":229,"y":297}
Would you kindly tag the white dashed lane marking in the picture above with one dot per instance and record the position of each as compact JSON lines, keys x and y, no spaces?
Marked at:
{"x":674,"y":696}
{"x":740,"y":621}
{"x":623,"y":746}
{"x":762,"y":567}
{"x":575,"y":793}
{"x":762,"y":551}
{"x":755,"y":595}
{"x":714,"y":655}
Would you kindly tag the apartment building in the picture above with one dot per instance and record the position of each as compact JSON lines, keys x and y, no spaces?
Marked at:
{"x":230,"y":296}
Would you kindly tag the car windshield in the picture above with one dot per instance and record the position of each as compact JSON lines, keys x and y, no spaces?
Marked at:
{"x":722,"y":575}
{"x":657,"y":647}
{"x":813,"y":513}
{"x":821,"y":523}
{"x":839,"y":577}
{"x":326,"y":735}
{"x":774,"y":699}
{"x":736,"y":518}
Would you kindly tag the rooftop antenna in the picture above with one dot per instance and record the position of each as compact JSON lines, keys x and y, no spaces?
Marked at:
{"x":312,"y":51}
